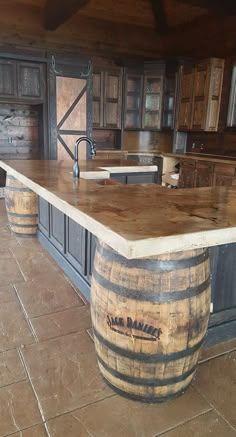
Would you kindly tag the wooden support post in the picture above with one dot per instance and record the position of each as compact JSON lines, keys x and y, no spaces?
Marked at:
{"x":22,"y":208}
{"x":149,"y":318}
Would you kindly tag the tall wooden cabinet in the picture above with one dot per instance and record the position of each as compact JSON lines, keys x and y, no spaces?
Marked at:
{"x":200,"y":95}
{"x":107,"y":98}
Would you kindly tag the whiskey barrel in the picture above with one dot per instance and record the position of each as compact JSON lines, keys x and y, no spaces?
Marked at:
{"x":149,"y":319}
{"x":22,"y":208}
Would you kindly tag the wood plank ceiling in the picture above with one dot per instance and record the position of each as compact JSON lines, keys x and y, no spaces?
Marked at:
{"x":146,"y":28}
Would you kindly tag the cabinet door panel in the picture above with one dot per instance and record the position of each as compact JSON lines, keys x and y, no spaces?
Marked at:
{"x":97,"y":99}
{"x":200,"y":94}
{"x":222,"y":180}
{"x":187,"y":174}
{"x":133,"y":101}
{"x":8,"y":86}
{"x":91,"y":244}
{"x":44,"y":216}
{"x":152,"y":102}
{"x":30,"y":80}
{"x":76,"y":245}
{"x":140,"y":179}
{"x":185,"y":98}
{"x":57,"y":228}
{"x":223,"y":261}
{"x":215,"y":90}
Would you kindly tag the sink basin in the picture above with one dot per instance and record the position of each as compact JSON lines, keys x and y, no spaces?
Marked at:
{"x":106,"y":182}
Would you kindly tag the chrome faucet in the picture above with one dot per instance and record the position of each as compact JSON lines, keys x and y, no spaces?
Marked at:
{"x":76,"y":169}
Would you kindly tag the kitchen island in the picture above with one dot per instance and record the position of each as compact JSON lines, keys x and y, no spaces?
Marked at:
{"x":145,"y":229}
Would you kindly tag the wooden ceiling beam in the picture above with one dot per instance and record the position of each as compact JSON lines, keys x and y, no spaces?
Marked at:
{"x":58,"y":12}
{"x":159,"y":12}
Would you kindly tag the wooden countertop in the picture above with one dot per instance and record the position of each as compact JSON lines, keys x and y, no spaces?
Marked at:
{"x":135,"y":220}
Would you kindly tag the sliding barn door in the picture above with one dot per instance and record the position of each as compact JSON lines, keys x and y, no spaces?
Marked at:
{"x":72,"y":110}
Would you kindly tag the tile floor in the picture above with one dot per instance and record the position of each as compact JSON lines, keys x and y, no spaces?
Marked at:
{"x":49,"y":381}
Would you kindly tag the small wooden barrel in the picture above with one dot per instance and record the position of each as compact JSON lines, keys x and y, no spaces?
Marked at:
{"x":22,"y":208}
{"x":149,"y":318}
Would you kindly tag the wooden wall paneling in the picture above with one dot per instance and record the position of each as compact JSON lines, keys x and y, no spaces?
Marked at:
{"x":19,"y":131}
{"x":107,"y":138}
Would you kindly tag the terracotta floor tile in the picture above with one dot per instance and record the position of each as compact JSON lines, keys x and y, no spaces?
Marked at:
{"x":11,"y":368}
{"x":47,"y":296}
{"x":14,"y":329}
{"x":62,"y":323}
{"x":216,"y":380}
{"x":35,"y":264}
{"x":207,"y":425}
{"x":7,"y":293}
{"x":217,"y":350}
{"x":35,"y":431}
{"x":118,"y":416}
{"x":18,"y":408}
{"x":67,"y":425}
{"x":64,"y":373}
{"x":9,"y":271}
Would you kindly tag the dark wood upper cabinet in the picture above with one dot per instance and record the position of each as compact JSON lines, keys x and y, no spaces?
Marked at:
{"x":22,"y":80}
{"x":133,"y":101}
{"x":30,"y":80}
{"x":8,"y":80}
{"x":200,"y":96}
{"x":107,"y":98}
{"x":150,"y":96}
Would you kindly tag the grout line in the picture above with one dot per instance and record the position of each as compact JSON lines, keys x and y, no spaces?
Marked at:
{"x":32,"y":386}
{"x":216,"y":356}
{"x":19,"y":267}
{"x":27,"y":429}
{"x":81,"y":423}
{"x":26,"y":316}
{"x":13,"y":383}
{"x":218,"y":412}
{"x":77,"y":291}
{"x":183,"y":422}
{"x":56,"y":312}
